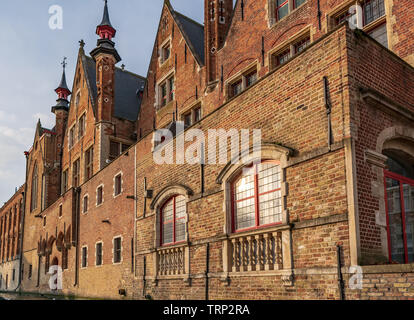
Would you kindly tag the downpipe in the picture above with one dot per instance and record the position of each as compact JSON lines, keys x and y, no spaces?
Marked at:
{"x":340,"y":277}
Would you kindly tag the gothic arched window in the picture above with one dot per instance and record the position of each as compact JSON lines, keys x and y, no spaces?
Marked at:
{"x":34,"y":190}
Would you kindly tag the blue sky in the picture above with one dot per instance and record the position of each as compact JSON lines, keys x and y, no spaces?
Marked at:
{"x":31,"y":54}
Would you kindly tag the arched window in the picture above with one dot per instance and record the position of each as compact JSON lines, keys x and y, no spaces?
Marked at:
{"x":257,"y":197}
{"x":33,"y":202}
{"x":399,"y":185}
{"x":173,"y":220}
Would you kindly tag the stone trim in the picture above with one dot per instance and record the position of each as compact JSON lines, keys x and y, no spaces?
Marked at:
{"x":380,"y":101}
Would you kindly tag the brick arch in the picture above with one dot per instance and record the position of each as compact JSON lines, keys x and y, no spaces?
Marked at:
{"x":238,"y":64}
{"x":287,"y":31}
{"x":164,"y":195}
{"x":269,"y":151}
{"x":397,"y":132}
{"x":59,"y":241}
{"x":50,"y":243}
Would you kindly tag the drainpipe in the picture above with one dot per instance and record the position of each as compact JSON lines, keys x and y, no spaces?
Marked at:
{"x":135,"y":211}
{"x":319,"y":15}
{"x":77,"y":199}
{"x":22,"y":227}
{"x":328,"y":111}
{"x":207,"y":268}
{"x":340,"y":278}
{"x":144,"y":280}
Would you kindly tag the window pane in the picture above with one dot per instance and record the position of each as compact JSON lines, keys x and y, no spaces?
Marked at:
{"x":373,"y":9}
{"x":270,"y":205}
{"x":408,"y":191}
{"x":299,"y":2}
{"x":283,"y":57}
{"x":197,"y":114}
{"x":301,"y":45}
{"x":282,"y":9}
{"x":269,"y":177}
{"x":236,"y":88}
{"x":245,"y":215}
{"x":167,"y":222}
{"x":395,"y":220}
{"x":380,"y":34}
{"x":251,"y":79}
{"x":180,"y":216}
{"x":187,"y":120}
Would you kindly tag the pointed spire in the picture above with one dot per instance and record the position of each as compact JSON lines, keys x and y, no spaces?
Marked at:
{"x":105,"y":30}
{"x":105,"y":18}
{"x":62,"y":90}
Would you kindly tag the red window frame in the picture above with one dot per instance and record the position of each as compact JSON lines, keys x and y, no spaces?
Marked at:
{"x":401,"y":180}
{"x":174,"y":221}
{"x":256,"y":196}
{"x":279,"y":7}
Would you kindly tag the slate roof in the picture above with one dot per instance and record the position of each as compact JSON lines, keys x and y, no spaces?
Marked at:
{"x":194,"y":33}
{"x":127,"y":87}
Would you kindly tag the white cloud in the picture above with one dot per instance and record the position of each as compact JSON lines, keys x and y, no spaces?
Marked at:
{"x":47,"y":120}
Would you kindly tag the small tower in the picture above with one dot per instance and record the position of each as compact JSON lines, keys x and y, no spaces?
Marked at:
{"x":62,"y":90}
{"x":61,"y":109}
{"x":106,"y":32}
{"x":217,"y":15}
{"x":106,"y":57}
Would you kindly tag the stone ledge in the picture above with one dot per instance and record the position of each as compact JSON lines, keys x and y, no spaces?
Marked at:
{"x":320,"y":221}
{"x":389,"y":268}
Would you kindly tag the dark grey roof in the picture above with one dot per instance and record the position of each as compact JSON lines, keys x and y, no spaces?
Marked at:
{"x":195,"y":34}
{"x":105,"y":18}
{"x":62,"y":84}
{"x":127,"y":87}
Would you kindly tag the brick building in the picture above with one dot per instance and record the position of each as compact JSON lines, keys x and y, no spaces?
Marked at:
{"x":331,"y":189}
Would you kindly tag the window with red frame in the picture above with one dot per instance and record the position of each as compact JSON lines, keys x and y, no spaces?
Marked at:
{"x":282,"y":9}
{"x":257,"y":198}
{"x":399,"y":200}
{"x":173,"y":220}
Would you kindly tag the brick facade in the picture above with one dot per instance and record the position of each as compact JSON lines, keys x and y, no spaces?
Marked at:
{"x":332,"y":163}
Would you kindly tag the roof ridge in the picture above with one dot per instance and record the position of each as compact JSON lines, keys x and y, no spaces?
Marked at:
{"x":189,"y":19}
{"x":123,"y":70}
